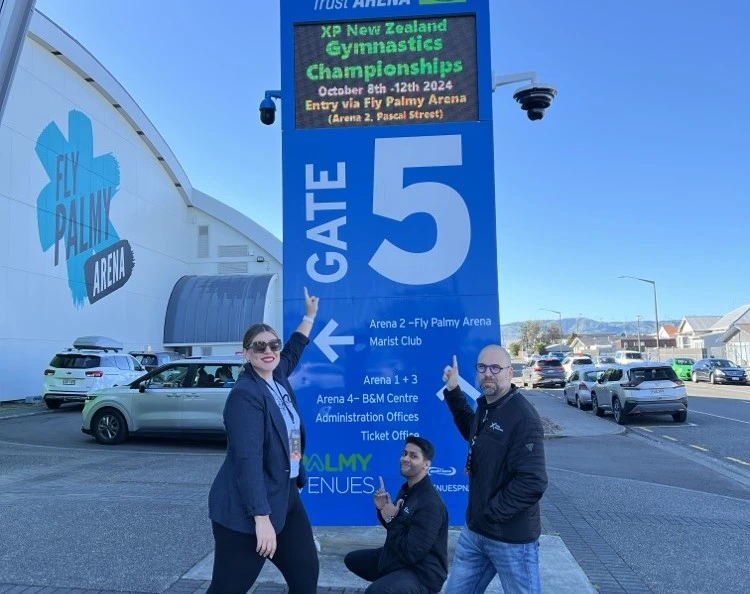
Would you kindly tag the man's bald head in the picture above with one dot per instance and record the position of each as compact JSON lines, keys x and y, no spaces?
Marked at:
{"x":494,"y":385}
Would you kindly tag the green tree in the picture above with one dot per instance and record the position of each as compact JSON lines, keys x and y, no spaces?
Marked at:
{"x":529,"y":334}
{"x":551,"y":334}
{"x":515,"y":348}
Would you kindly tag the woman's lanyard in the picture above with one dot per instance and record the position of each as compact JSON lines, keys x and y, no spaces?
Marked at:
{"x":281,"y":400}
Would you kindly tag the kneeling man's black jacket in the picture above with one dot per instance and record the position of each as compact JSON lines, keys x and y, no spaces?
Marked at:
{"x":418,"y":536}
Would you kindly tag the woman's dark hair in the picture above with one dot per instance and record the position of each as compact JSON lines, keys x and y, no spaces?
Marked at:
{"x":428,"y":450}
{"x":253,"y":331}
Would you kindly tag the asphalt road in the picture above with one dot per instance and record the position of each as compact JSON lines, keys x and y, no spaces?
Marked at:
{"x":62,"y":429}
{"x":718,"y":423}
{"x":136,"y":513}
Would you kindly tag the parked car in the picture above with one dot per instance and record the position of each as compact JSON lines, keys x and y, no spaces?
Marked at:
{"x":623,"y":357}
{"x":153,"y":359}
{"x":544,"y":372}
{"x":683,"y":367}
{"x":186,"y":396}
{"x":642,"y":388}
{"x":573,"y":361}
{"x":604,"y":360}
{"x":517,"y":369}
{"x":94,"y":362}
{"x":559,"y":355}
{"x":578,"y":387}
{"x":718,"y":371}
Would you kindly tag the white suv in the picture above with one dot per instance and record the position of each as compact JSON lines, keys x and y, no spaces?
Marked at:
{"x":94,"y":362}
{"x":624,"y":357}
{"x":643,"y":388}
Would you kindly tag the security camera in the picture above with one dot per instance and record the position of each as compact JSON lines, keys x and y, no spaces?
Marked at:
{"x":534,"y":99}
{"x":267,"y":111}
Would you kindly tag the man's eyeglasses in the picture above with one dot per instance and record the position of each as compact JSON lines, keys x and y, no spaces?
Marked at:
{"x":494,"y":369}
{"x":259,"y":346}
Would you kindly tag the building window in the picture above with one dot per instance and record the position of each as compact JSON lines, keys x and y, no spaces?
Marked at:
{"x":232,"y":267}
{"x":203,"y":241}
{"x":233,"y":251}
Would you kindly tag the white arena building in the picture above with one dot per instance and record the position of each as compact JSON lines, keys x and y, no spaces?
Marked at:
{"x":101,"y":232}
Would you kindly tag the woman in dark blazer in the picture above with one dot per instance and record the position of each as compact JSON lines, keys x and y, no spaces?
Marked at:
{"x":255,"y":508}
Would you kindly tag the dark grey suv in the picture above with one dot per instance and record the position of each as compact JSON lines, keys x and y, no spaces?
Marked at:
{"x":544,"y":372}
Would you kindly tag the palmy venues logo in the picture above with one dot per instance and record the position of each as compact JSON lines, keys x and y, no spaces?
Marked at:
{"x":73,"y":211}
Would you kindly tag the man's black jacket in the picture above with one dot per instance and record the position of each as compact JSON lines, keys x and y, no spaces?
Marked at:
{"x":418,"y":536}
{"x":508,"y":473}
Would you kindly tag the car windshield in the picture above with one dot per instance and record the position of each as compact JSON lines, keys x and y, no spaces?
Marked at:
{"x":652,"y":374}
{"x":75,"y":361}
{"x":684,"y":362}
{"x":582,"y":361}
{"x":147,"y":359}
{"x":548,"y":363}
{"x":725,"y":364}
{"x":632,"y":356}
{"x":592,"y":376}
{"x":606,"y":359}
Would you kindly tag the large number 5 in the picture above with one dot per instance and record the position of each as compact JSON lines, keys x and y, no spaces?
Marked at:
{"x":444,"y":204}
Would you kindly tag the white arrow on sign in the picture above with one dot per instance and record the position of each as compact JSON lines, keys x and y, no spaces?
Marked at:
{"x":325,"y":340}
{"x":467,"y":388}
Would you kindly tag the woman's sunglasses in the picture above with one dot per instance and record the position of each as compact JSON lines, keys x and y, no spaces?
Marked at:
{"x":259,"y":346}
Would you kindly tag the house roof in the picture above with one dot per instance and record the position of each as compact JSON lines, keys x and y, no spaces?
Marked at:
{"x":698,"y":323}
{"x":736,"y":316}
{"x":733,"y":330}
{"x":670,"y":329}
{"x":596,"y":338}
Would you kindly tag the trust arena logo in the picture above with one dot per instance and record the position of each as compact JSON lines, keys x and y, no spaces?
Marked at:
{"x":73,"y":211}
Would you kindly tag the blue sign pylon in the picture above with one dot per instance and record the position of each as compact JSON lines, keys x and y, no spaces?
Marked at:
{"x":389,"y":217}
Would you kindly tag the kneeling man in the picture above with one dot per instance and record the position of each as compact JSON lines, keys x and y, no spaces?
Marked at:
{"x":414,"y":559}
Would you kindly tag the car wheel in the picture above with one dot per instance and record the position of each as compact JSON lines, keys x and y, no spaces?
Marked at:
{"x":109,"y":427}
{"x":695,"y":377}
{"x":53,"y":404}
{"x":680,"y":417}
{"x":712,"y":378}
{"x":595,"y":406}
{"x":620,"y":417}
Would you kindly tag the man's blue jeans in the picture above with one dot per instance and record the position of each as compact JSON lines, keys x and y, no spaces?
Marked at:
{"x":478,"y":559}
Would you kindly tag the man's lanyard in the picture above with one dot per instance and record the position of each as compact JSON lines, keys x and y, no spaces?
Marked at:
{"x":480,"y":426}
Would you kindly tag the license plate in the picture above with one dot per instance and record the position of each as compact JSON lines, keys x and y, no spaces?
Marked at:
{"x":69,"y":382}
{"x":657,"y":391}
{"x":735,"y":379}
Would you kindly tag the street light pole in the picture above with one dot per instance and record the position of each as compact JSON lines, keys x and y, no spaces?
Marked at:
{"x":559,"y":315}
{"x":656,"y":309}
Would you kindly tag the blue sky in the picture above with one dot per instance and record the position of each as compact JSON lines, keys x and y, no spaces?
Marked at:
{"x":641,"y":166}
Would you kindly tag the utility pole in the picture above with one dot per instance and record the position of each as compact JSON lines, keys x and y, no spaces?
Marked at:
{"x":639,"y":333}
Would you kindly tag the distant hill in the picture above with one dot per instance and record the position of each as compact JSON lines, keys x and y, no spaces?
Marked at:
{"x":510,"y":332}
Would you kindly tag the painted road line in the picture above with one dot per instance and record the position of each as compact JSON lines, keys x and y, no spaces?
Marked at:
{"x":697,"y":447}
{"x":670,"y":438}
{"x":738,"y":461}
{"x":644,"y":429}
{"x":697,"y":412}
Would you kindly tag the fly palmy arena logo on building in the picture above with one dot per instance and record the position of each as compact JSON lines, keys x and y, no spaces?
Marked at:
{"x":73,"y":211}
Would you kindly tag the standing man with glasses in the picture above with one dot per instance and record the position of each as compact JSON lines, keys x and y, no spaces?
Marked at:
{"x":507,"y":478}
